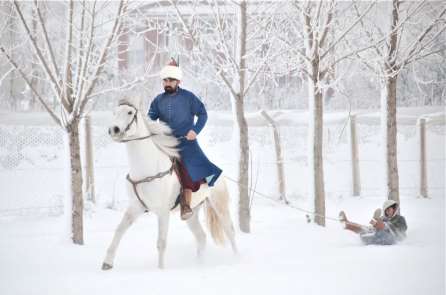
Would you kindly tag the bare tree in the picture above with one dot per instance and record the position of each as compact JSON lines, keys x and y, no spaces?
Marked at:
{"x":314,"y":22}
{"x":233,"y":39}
{"x":388,"y":59}
{"x":91,"y":28}
{"x":7,"y":75}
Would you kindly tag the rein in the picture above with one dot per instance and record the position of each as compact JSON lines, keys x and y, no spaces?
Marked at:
{"x":137,"y":138}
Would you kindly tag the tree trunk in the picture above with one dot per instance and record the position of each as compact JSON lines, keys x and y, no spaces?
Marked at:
{"x":423,"y":166}
{"x":389,"y":131}
{"x":76,"y":184}
{"x":244,"y":202}
{"x":89,"y":161}
{"x":356,"y":180}
{"x":315,"y":142}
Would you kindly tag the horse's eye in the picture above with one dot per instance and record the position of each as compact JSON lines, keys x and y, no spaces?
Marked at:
{"x":130,"y":112}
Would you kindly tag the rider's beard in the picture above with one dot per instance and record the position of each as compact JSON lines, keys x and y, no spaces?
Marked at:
{"x":170,"y":89}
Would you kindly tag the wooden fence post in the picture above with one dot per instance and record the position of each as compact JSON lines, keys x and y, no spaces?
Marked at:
{"x":279,"y":158}
{"x":423,"y":168}
{"x":356,"y":181}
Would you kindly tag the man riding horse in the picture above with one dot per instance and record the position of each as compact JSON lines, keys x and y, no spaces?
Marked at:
{"x":178,"y":107}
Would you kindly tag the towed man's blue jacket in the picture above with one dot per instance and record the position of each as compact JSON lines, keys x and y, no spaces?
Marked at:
{"x":178,"y":110}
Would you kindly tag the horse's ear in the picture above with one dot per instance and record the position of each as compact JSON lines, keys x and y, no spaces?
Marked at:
{"x":123,"y":100}
{"x":134,"y":100}
{"x":139,"y":102}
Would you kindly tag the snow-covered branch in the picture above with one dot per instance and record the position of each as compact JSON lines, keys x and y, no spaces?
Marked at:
{"x":67,"y":97}
{"x":86,"y":56}
{"x":82,"y":101}
{"x":327,"y":23}
{"x":43,"y":61}
{"x":25,"y":78}
{"x":47,"y":41}
{"x":346,"y":31}
{"x":417,"y":47}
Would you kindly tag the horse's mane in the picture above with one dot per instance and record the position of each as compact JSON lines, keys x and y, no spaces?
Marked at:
{"x":161,"y":133}
{"x":163,"y":138}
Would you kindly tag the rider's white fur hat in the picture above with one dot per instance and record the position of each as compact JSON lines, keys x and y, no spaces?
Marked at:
{"x":172,"y":70}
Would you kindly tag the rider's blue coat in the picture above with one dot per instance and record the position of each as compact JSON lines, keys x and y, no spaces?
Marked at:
{"x":179,"y":110}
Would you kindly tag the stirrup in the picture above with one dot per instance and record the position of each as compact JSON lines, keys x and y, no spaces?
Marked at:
{"x":186,"y":212}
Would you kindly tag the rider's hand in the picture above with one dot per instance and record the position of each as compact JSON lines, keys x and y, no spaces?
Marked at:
{"x":191,"y":135}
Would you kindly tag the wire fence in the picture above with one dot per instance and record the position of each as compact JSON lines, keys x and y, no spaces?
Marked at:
{"x":33,"y":161}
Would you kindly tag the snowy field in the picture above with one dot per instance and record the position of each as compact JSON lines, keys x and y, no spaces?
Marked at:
{"x":283,"y":254}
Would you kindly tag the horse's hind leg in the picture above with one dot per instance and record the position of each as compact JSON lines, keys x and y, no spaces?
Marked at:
{"x":197,"y":230}
{"x":130,"y":215}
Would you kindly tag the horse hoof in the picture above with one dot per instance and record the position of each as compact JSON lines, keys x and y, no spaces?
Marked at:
{"x":106,"y":266}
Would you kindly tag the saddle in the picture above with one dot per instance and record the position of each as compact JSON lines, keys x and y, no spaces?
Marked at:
{"x":201,"y":192}
{"x":200,"y":189}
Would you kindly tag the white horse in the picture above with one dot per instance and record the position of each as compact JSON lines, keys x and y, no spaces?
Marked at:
{"x":153,"y":185}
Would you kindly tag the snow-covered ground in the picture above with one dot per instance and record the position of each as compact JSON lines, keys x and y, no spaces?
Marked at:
{"x":282,"y":255}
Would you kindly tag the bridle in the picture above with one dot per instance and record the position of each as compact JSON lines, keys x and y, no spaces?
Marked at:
{"x":129,"y":125}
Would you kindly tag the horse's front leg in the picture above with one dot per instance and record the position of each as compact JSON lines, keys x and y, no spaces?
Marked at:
{"x":163,"y":226}
{"x":129,"y":217}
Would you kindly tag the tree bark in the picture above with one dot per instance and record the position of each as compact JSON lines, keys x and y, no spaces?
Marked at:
{"x":89,"y":161}
{"x":76,"y":184}
{"x":244,"y":202}
{"x":389,"y":130}
{"x":423,"y":166}
{"x":388,"y":107}
{"x":356,"y":180}
{"x":315,"y":143}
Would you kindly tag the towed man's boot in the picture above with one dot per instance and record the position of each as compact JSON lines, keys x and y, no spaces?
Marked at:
{"x":186,"y":211}
{"x":377,"y":214}
{"x":354,"y":227}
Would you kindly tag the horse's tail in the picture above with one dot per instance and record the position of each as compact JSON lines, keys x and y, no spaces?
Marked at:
{"x":217,"y":211}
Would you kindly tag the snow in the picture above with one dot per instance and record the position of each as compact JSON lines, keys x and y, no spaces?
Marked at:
{"x":283,"y":255}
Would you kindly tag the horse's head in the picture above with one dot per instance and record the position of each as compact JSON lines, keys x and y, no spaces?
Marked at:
{"x":130,"y":125}
{"x":126,"y":117}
